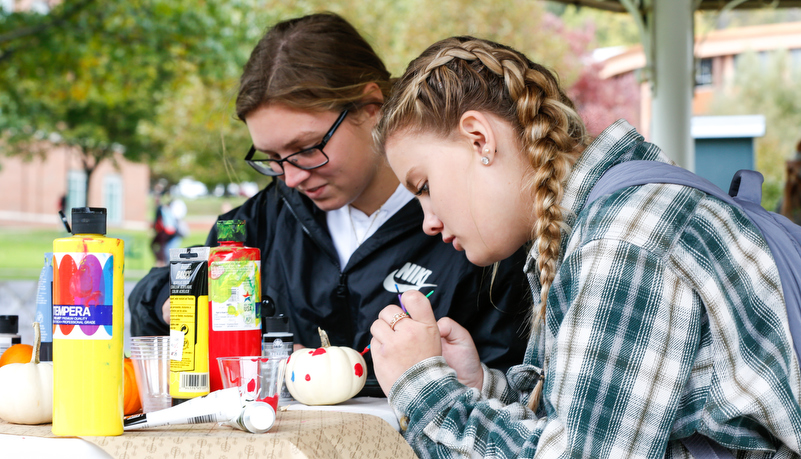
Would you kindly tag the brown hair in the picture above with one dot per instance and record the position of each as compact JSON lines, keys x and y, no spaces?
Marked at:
{"x":464,"y":73}
{"x":316,"y":62}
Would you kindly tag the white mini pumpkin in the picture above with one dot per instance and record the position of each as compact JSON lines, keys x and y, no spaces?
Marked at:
{"x":26,"y":389}
{"x":325,"y":376}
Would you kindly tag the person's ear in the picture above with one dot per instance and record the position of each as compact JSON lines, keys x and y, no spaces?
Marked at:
{"x":477,"y":129}
{"x":373,"y":98}
{"x":369,"y":105}
{"x":372,"y":93}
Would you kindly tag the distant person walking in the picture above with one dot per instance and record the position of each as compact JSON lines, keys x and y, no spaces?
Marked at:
{"x":169,"y":227}
{"x":790,"y":205}
{"x":178,"y":211}
{"x":165,"y":229}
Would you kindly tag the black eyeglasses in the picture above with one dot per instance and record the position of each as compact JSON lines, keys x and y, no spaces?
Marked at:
{"x":310,"y":158}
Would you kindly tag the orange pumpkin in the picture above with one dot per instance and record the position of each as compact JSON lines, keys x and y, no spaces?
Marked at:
{"x":18,"y":353}
{"x":132,"y":402}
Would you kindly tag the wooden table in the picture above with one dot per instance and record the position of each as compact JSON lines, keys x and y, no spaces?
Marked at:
{"x":296,"y":434}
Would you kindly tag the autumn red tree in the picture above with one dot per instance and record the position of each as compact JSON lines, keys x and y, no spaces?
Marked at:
{"x":599,"y":101}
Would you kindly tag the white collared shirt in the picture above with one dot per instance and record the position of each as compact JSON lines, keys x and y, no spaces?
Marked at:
{"x":350,"y":227}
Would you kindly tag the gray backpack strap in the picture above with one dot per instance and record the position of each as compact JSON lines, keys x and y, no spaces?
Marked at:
{"x":746,"y":185}
{"x":702,"y":447}
{"x":783,"y":237}
{"x":634,"y":173}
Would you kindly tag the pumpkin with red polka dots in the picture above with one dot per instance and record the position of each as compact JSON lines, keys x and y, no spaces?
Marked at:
{"x":325,"y":376}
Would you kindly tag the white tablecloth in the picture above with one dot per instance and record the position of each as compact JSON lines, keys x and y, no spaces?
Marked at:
{"x":367,"y":405}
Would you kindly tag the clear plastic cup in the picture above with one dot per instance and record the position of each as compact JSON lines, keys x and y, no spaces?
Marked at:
{"x":276,"y":345}
{"x":151,"y":362}
{"x":258,"y":378}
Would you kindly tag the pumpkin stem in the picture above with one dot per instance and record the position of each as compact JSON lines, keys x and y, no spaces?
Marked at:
{"x":323,"y":338}
{"x":37,"y":343}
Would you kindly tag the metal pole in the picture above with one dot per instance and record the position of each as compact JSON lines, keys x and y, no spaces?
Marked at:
{"x":671,"y":28}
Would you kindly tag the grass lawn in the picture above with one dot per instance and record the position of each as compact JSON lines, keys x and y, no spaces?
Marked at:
{"x":211,"y":205}
{"x":22,"y":252}
{"x":22,"y":249}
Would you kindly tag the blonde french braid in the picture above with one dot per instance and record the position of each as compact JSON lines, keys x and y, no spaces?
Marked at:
{"x":464,"y":73}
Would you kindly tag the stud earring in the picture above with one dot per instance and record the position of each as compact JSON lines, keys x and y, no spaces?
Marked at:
{"x":486,"y":150}
{"x":484,"y":160}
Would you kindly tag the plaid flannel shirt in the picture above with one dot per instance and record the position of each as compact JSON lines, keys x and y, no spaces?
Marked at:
{"x":666,"y":317}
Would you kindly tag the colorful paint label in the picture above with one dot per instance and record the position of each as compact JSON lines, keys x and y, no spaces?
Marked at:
{"x":233,"y":295}
{"x":85,"y":309}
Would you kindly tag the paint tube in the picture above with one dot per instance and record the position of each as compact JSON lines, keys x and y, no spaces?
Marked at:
{"x":189,"y":323}
{"x":223,"y":405}
{"x":219,"y":406}
{"x":255,"y":417}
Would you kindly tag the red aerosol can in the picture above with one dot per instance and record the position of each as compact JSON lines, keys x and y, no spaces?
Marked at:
{"x":234,"y":298}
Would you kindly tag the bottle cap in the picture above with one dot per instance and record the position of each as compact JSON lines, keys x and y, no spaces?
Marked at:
{"x":258,"y":417}
{"x":267,"y":306}
{"x":9,"y":324}
{"x":231,"y":230}
{"x":88,"y":220}
{"x":279,"y":323}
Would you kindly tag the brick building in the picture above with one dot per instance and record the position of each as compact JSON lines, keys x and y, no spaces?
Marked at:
{"x":31,"y":190}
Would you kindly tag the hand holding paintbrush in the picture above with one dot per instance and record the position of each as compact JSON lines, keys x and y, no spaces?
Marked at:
{"x":403,"y":338}
{"x":400,"y":301}
{"x":398,"y":344}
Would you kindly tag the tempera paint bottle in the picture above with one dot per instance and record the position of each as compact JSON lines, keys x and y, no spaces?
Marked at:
{"x":234,"y":297}
{"x":88,"y":304}
{"x":189,"y":323}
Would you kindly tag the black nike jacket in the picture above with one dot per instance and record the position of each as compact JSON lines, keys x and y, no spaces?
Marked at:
{"x":301,"y":273}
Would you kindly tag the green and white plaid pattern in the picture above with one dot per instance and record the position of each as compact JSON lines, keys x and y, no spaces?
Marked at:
{"x":666,"y":317}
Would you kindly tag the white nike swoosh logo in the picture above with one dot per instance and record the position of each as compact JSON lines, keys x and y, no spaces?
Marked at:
{"x":390,"y":283}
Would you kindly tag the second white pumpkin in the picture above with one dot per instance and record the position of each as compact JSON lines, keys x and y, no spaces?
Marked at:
{"x":325,"y":376}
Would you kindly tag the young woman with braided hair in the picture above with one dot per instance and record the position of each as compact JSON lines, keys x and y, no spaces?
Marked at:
{"x":658,"y":317}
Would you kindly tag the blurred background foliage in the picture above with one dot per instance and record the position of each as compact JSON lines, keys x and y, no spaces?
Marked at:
{"x":767,"y":85}
{"x":157,"y":79}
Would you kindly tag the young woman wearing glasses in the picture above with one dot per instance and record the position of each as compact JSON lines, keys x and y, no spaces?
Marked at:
{"x":340,"y":238}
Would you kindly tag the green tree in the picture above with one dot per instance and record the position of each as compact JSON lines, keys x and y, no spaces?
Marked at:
{"x":195,"y":125}
{"x":767,"y":84}
{"x":89,"y":79}
{"x":611,"y":29}
{"x":200,"y":136}
{"x":710,"y":20}
{"x":197,"y":129}
{"x":157,"y":79}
